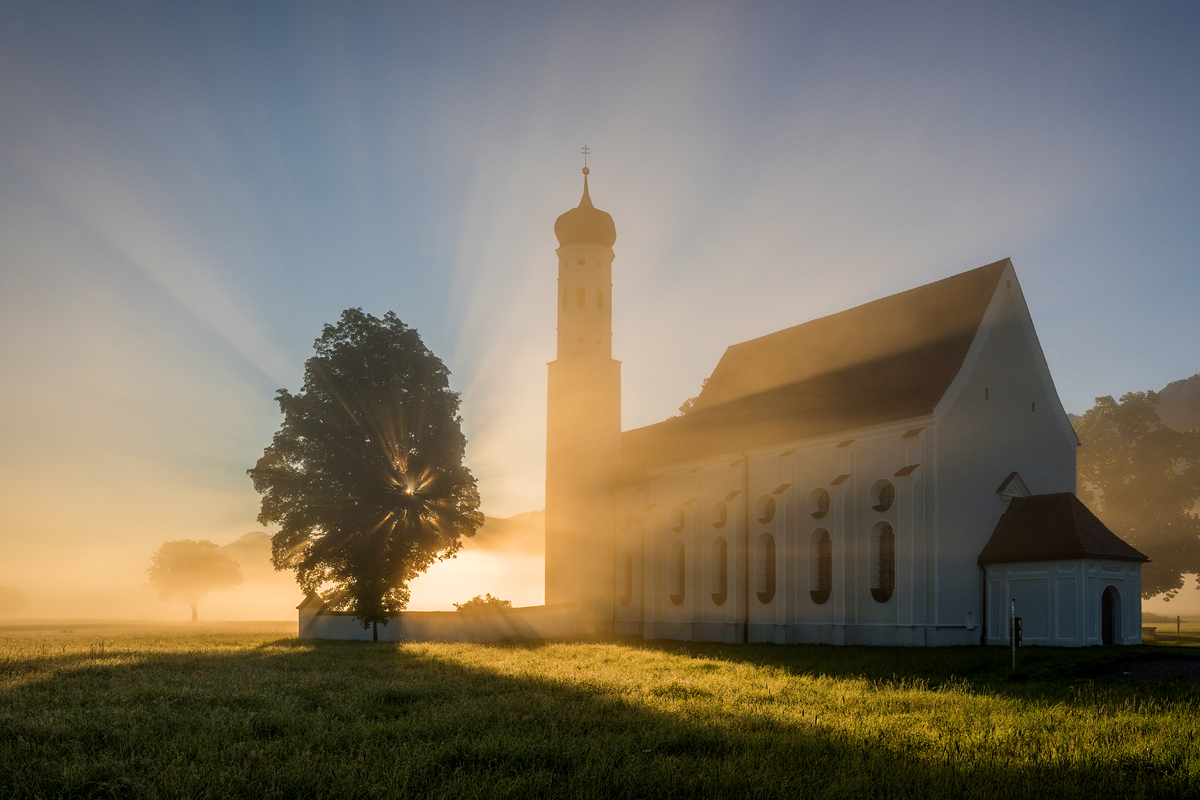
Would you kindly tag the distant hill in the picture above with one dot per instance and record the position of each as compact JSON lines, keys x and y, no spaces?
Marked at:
{"x":1179,"y":404}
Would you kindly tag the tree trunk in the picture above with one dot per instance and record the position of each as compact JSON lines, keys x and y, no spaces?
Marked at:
{"x":193,"y":604}
{"x":374,"y":631}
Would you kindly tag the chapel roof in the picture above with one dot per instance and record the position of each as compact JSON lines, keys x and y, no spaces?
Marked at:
{"x":1049,"y":527}
{"x":884,"y":361}
{"x":585,"y":224}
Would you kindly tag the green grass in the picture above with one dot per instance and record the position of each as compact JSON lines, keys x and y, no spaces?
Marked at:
{"x":248,"y":711}
{"x":1166,"y":634}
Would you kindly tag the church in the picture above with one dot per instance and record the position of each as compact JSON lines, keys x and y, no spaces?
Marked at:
{"x":900,"y":473}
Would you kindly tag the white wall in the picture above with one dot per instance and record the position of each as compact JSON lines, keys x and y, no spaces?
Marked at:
{"x":1001,"y":416}
{"x":533,"y":622}
{"x":1059,"y":602}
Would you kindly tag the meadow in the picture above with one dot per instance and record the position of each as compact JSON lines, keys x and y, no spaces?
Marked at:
{"x":247,"y":710}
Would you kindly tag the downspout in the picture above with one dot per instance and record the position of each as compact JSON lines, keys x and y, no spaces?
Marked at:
{"x":983,"y":604}
{"x":745,"y":548}
{"x":612,"y":561}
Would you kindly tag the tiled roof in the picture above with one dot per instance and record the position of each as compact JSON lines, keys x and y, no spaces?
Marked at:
{"x":1048,"y":527}
{"x":885,"y":361}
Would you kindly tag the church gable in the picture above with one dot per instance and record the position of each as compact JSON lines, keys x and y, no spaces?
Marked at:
{"x":882,"y":362}
{"x":927,"y":329}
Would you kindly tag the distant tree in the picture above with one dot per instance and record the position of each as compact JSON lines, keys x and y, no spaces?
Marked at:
{"x":189,"y":569}
{"x":1143,"y":479}
{"x":690,"y":403}
{"x":365,"y":476}
{"x":12,"y":601}
{"x":483,"y":605}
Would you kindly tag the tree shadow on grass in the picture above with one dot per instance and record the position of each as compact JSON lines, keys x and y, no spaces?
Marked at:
{"x":339,"y":719}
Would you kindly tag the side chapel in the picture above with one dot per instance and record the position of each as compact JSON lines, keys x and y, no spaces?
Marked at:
{"x":895,"y":474}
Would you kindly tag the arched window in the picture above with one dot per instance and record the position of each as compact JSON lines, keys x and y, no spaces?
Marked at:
{"x":883,"y":562}
{"x":765,"y":585}
{"x":765,"y":508}
{"x":626,"y":579}
{"x":820,"y":559}
{"x":580,"y":296}
{"x":675,"y":566}
{"x":818,"y":503}
{"x":720,"y":570}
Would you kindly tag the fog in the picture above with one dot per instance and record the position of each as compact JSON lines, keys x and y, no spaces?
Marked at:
{"x":505,"y":558}
{"x":187,"y":195}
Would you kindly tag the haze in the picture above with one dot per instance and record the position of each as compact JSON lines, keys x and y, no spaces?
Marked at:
{"x":188,"y":194}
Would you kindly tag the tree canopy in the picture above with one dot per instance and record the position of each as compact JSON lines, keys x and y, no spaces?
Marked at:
{"x":189,"y":569}
{"x":365,"y":476}
{"x":1143,"y":480}
{"x":483,"y":605}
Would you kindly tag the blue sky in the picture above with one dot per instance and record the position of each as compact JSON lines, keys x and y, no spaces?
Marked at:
{"x":188,"y":193}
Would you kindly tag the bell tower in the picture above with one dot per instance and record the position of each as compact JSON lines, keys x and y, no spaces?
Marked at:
{"x":583,"y":419}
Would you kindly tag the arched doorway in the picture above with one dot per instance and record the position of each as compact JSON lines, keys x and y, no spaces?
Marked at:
{"x":1110,"y":616}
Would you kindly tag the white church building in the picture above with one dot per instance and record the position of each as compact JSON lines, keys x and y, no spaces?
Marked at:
{"x":895,"y":474}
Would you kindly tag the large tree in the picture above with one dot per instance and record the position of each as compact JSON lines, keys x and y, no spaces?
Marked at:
{"x":189,"y":569}
{"x":365,"y":476}
{"x":1143,"y":479}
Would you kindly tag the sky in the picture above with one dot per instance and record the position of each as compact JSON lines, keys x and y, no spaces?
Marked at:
{"x":189,"y":192}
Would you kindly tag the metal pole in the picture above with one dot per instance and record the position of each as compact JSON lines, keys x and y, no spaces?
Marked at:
{"x":1012,"y":631}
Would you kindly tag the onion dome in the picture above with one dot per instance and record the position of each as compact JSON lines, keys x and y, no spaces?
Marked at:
{"x":585,"y":224}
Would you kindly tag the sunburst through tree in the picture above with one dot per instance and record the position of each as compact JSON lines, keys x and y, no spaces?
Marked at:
{"x":365,"y":476}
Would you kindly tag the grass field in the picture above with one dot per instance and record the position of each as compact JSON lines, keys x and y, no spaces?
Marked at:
{"x":1165,"y":632}
{"x":245,"y":710}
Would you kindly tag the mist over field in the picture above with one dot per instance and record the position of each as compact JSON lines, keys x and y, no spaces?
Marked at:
{"x":504,"y":558}
{"x":190,"y":192}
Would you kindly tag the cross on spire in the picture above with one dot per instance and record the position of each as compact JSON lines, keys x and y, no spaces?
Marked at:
{"x":585,"y":152}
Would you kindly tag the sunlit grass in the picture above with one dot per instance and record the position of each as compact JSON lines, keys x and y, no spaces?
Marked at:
{"x":247,"y":711}
{"x":1187,"y":632}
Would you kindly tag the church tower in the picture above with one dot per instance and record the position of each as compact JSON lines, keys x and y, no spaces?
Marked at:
{"x":583,"y":420}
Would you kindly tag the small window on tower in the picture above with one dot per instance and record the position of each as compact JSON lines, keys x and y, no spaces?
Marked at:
{"x":580,"y":296}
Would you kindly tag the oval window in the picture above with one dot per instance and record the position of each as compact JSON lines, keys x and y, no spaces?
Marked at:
{"x":883,"y":562}
{"x":765,"y":508}
{"x":820,"y":559}
{"x":765,"y":583}
{"x":818,"y":503}
{"x":676,"y":565}
{"x":883,"y":494}
{"x":720,"y":571}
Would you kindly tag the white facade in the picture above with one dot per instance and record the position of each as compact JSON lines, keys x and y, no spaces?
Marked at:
{"x":1066,"y":603}
{"x":536,"y":622}
{"x":837,"y":482}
